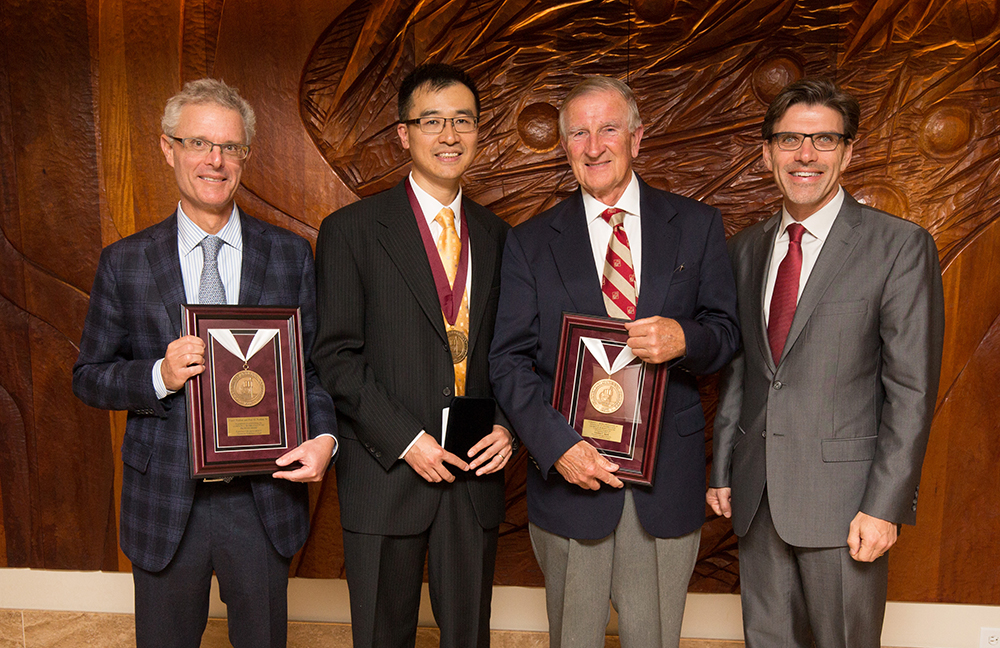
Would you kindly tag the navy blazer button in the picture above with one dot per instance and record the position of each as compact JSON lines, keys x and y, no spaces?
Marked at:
{"x":777,"y":384}
{"x":446,"y":391}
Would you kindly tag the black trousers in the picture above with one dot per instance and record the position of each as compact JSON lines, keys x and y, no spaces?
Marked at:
{"x":224,"y":534}
{"x":385,"y":573}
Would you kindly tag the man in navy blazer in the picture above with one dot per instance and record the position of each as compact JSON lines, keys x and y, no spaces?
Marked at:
{"x":174,"y":529}
{"x":594,"y":538}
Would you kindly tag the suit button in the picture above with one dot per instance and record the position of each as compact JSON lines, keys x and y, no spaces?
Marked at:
{"x":763,"y":434}
{"x":446,"y":348}
{"x":777,"y":384}
{"x":446,"y":391}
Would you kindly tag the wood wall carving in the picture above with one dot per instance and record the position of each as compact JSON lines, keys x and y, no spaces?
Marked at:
{"x":82,"y":87}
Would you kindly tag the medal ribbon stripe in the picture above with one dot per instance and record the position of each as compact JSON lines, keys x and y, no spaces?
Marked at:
{"x":449,"y":247}
{"x":618,"y":280}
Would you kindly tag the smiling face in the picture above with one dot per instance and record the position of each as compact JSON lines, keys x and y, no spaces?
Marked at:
{"x":598,"y":144}
{"x":440,"y":159}
{"x":808,"y":179}
{"x":207,"y":181}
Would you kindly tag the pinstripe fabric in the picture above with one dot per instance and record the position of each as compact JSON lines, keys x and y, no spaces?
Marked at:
{"x":382,"y":352}
{"x":134,"y":314}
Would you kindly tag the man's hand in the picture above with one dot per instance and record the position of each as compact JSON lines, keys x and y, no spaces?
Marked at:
{"x":494,"y":451}
{"x":314,"y":455}
{"x":185,"y":358}
{"x":584,"y":466}
{"x":656,"y":339}
{"x":428,"y":458}
{"x":870,"y":537}
{"x":721,"y":501}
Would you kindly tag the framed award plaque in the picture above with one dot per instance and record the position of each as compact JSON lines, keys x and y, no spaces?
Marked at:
{"x":249,"y":405}
{"x":610,"y":397}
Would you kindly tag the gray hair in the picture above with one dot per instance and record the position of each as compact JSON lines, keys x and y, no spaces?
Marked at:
{"x":593,"y":84}
{"x":208,"y":91}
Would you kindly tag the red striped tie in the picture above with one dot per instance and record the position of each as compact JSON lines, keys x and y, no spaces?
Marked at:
{"x":786,"y":293}
{"x":618,"y":282}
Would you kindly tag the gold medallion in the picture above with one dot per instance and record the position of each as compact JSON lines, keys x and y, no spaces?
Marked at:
{"x":247,"y":388}
{"x":458,"y":342}
{"x":606,"y":396}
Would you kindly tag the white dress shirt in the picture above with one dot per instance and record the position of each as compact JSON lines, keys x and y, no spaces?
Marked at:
{"x":817,"y":228}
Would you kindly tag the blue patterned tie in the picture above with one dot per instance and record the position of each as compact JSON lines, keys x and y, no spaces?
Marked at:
{"x":211,"y":290}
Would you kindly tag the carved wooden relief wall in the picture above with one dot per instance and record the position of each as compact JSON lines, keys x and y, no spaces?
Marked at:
{"x":83,"y":85}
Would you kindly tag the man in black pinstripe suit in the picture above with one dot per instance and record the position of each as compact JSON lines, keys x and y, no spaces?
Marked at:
{"x":387,"y":312}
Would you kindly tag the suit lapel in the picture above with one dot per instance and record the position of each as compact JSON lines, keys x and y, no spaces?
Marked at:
{"x":256,"y":252}
{"x":839,"y":246}
{"x":483,"y":265}
{"x":569,"y":247}
{"x":660,"y":242}
{"x":400,"y":237}
{"x":762,"y":248}
{"x":165,"y":266}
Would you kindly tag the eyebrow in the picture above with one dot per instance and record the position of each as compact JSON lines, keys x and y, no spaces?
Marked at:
{"x":434,"y":111}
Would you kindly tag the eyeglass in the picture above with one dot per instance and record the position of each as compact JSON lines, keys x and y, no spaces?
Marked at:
{"x":231,"y":150}
{"x":820,"y":141}
{"x":435,"y":125}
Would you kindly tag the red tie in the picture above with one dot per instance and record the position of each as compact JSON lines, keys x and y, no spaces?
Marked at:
{"x":786,"y":293}
{"x":618,"y":280}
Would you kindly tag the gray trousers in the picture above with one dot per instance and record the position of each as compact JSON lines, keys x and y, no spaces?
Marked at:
{"x":224,"y":534}
{"x":794,"y":596}
{"x":645,"y":578}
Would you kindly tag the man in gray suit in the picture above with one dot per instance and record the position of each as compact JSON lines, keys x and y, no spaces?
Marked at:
{"x":824,"y":414}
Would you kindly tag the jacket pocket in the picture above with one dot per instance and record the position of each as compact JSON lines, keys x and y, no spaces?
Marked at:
{"x":841,"y":308}
{"x":136,"y":453}
{"x":857,"y":449}
{"x":690,"y":420}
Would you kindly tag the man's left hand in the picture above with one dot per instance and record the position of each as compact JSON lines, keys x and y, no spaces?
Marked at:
{"x":494,"y":451}
{"x":870,"y":537}
{"x":656,"y":339}
{"x":314,"y":455}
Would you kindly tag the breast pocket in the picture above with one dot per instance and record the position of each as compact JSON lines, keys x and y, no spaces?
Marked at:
{"x":841,"y":308}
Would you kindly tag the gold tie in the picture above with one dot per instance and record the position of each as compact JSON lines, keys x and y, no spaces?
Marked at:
{"x":448,"y":244}
{"x":450,"y":248}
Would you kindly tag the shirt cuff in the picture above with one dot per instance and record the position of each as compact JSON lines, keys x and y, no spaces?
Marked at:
{"x":161,"y":389}
{"x":419,"y":434}
{"x":336,"y":444}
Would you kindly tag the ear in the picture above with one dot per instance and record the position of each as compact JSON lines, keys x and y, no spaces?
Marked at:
{"x":766,"y":150}
{"x":404,"y":135}
{"x":636,"y":138}
{"x":167,"y":148}
{"x":848,"y":151}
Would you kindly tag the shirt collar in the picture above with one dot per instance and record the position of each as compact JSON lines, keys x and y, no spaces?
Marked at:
{"x":819,"y":224}
{"x":431,"y":206}
{"x":190,"y":235}
{"x":629,"y":202}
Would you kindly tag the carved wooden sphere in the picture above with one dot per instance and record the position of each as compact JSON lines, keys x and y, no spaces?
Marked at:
{"x":972,"y":21}
{"x":946,"y":131}
{"x":654,"y":11}
{"x":773,"y":74}
{"x":881,"y":195}
{"x":538,"y":127}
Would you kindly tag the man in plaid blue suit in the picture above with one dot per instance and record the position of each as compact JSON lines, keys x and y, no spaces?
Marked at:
{"x":177,"y":530}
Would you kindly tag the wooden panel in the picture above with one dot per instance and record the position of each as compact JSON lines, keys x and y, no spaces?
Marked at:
{"x":81,"y":95}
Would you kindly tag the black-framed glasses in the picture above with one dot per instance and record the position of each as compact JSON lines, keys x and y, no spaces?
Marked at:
{"x":787,"y":141}
{"x":435,"y":125}
{"x":231,"y":150}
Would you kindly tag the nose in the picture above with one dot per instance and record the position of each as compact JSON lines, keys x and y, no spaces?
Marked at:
{"x":807,"y":152}
{"x":595,"y":146}
{"x":448,"y":133}
{"x":214,"y":157}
